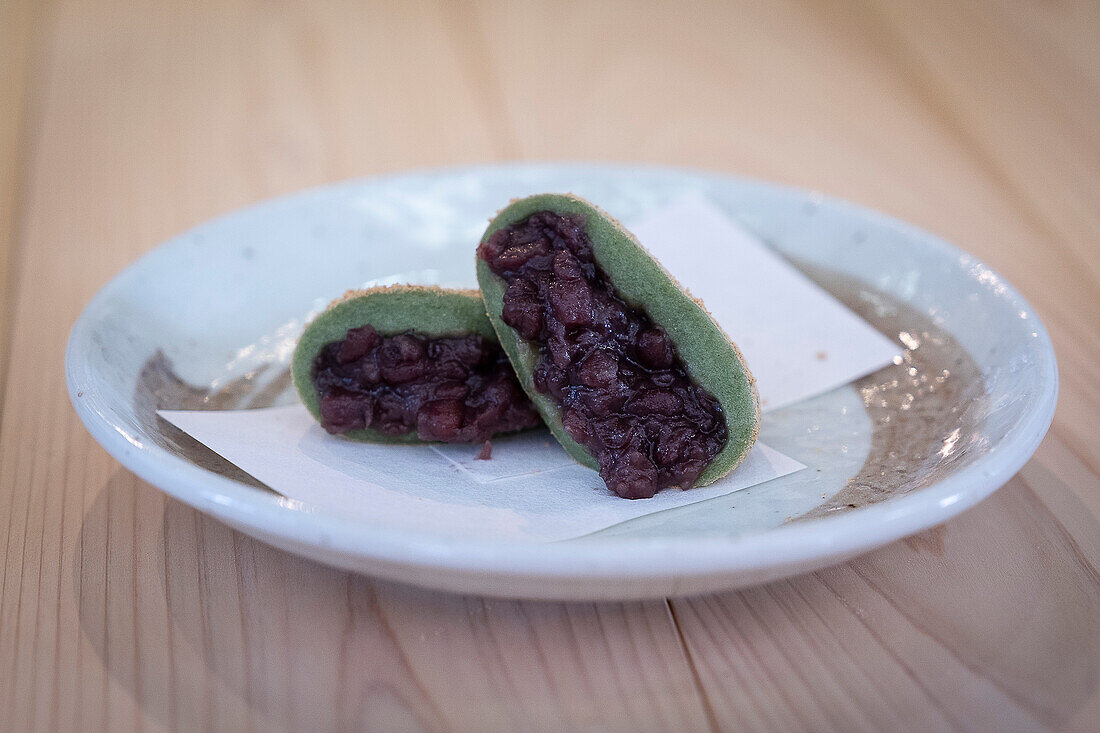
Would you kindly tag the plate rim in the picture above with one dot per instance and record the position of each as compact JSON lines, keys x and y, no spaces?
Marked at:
{"x":805,"y":543}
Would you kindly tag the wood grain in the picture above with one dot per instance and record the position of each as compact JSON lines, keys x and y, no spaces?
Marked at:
{"x":17,"y":30}
{"x":873,"y":645}
{"x":218,"y":630}
{"x":121,"y":609}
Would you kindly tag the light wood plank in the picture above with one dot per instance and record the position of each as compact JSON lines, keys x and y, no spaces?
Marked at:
{"x":207,"y":627}
{"x":991,"y":622}
{"x":17,"y":30}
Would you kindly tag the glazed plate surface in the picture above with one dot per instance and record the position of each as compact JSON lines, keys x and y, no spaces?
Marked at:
{"x":208,"y":320}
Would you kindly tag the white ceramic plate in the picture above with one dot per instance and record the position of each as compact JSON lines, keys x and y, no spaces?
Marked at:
{"x":207,"y":320}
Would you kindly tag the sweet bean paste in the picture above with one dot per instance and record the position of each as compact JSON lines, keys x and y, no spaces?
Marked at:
{"x":624,"y":392}
{"x":452,"y":389}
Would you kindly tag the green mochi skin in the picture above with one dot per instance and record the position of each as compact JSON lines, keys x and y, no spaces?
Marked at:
{"x":711,"y":359}
{"x":430,"y":311}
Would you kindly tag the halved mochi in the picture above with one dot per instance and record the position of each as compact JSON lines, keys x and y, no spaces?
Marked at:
{"x":631,"y":374}
{"x":406,"y":364}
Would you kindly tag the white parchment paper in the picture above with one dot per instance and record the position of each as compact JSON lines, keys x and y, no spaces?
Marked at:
{"x":798,"y":340}
{"x":529,"y":489}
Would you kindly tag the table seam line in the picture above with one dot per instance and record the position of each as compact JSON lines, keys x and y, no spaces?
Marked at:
{"x":708,"y":708}
{"x":32,"y":98}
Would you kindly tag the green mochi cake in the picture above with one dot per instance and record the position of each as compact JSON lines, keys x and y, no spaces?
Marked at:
{"x":632,"y":375}
{"x":408,"y":364}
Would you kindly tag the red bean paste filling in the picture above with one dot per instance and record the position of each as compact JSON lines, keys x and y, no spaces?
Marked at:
{"x":624,"y":392}
{"x":451,"y":389}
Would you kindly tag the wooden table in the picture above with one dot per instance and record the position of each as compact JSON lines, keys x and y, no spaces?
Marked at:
{"x":124,"y":123}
